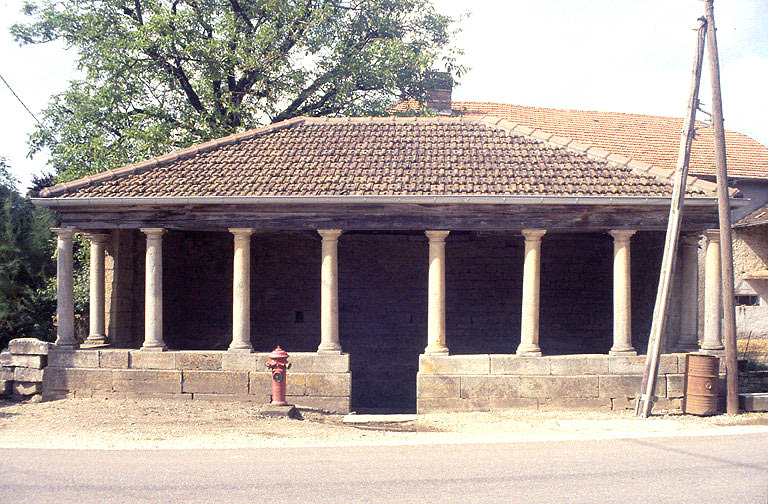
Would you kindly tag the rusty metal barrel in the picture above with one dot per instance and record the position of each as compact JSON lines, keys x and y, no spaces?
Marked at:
{"x":701,"y":384}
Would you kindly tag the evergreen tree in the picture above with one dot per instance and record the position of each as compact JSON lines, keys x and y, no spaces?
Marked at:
{"x":27,"y":300}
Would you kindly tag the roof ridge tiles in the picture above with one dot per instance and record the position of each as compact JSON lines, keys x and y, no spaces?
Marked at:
{"x":599,"y":154}
{"x":648,"y":137}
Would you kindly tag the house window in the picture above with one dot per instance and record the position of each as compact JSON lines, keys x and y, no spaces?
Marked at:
{"x":747,"y":300}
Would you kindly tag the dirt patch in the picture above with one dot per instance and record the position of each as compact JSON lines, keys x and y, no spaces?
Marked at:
{"x":162,"y":424}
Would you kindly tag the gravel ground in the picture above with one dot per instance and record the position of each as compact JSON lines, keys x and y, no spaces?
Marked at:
{"x":159,"y":424}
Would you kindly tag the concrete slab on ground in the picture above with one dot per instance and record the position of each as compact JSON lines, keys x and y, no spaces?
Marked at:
{"x":288,"y":411}
{"x":754,"y":401}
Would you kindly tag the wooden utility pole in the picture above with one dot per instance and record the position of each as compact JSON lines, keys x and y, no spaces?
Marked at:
{"x":673,"y":234}
{"x":724,"y":212}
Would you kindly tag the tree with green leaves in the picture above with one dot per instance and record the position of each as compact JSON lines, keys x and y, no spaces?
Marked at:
{"x":164,"y":74}
{"x":27,"y":298}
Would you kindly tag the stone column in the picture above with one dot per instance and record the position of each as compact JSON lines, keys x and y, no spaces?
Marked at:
{"x":153,"y":297}
{"x":97,"y":334}
{"x":65,"y":308}
{"x":241,"y":292}
{"x":529,"y":333}
{"x":689,"y":294}
{"x":712,"y":341}
{"x":329,"y":292}
{"x":436,"y":294}
{"x":622,"y":294}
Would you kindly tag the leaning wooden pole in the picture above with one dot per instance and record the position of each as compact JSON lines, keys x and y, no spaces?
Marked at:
{"x":673,"y":234}
{"x":724,"y":212}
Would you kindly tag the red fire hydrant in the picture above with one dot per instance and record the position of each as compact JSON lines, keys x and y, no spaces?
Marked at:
{"x":278,"y":364}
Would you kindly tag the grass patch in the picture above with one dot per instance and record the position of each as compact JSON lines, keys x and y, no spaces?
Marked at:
{"x":755,"y":351}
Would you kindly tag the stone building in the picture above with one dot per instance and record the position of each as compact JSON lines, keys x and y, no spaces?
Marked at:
{"x":443,"y":263}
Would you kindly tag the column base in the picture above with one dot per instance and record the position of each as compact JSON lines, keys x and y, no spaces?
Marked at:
{"x":162,"y":348}
{"x":73,"y":345}
{"x":713,"y":350}
{"x":96,"y":340}
{"x":528,"y":350}
{"x":436,"y":349}
{"x":329,"y":349}
{"x":247,"y":349}
{"x":628,"y":352}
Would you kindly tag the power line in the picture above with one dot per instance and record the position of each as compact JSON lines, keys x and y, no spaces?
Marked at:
{"x":22,"y":103}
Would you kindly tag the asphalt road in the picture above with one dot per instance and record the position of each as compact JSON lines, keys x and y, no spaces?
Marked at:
{"x":732,"y":469}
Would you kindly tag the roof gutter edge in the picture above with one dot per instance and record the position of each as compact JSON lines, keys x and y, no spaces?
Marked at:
{"x":337,"y":200}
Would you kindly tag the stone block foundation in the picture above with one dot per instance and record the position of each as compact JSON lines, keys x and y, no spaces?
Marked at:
{"x":318,"y":381}
{"x":22,"y":368}
{"x":487,"y":381}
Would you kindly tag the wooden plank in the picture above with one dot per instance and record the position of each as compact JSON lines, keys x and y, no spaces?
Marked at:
{"x":386,"y":217}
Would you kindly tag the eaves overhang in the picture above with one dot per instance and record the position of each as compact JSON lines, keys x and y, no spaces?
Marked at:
{"x":352,"y":200}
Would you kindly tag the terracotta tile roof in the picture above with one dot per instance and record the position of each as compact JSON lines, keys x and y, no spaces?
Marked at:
{"x":382,"y":156}
{"x":756,"y":217}
{"x":651,"y":139}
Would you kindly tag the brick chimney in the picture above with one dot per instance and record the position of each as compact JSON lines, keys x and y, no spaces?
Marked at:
{"x":439,"y":86}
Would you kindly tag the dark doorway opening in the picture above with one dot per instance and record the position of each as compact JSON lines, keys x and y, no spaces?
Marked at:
{"x":382,"y":316}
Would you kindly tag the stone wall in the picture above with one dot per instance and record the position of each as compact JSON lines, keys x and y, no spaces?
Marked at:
{"x":22,"y":367}
{"x":124,"y":296}
{"x":750,"y":254}
{"x":487,"y":381}
{"x":320,"y":381}
{"x":753,"y":381}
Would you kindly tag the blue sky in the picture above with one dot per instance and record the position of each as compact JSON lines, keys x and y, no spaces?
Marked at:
{"x":625,"y":56}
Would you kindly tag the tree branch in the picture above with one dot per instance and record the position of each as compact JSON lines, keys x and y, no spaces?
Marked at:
{"x":250,"y":77}
{"x":292,"y":109}
{"x":139,"y":14}
{"x":241,"y":14}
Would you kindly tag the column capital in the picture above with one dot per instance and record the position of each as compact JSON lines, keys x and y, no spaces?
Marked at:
{"x":329,"y":234}
{"x":622,"y":234}
{"x":690,"y":239}
{"x":436,"y":236}
{"x":533,"y":234}
{"x":238,"y":232}
{"x":64,"y":232}
{"x":97,"y":237}
{"x":712,"y":235}
{"x":153,"y":232}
